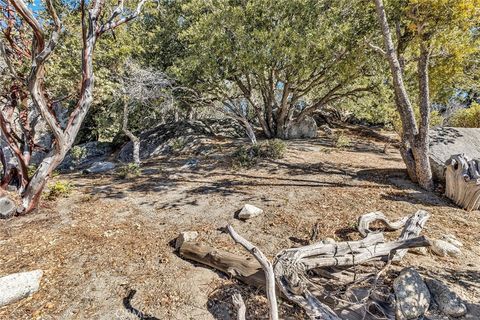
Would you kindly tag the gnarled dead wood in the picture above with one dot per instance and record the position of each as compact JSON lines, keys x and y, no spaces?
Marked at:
{"x":462,"y":178}
{"x":294,"y":269}
{"x":365,"y":220}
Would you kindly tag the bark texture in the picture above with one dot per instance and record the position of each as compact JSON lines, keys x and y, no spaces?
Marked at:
{"x":415,"y":140}
{"x":42,"y":48}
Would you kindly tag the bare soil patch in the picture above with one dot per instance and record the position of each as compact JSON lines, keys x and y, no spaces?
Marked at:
{"x":106,"y":249}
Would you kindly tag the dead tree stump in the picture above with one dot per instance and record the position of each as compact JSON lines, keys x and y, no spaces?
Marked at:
{"x":462,"y":179}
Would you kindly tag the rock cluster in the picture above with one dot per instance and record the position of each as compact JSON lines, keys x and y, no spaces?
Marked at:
{"x":415,"y":296}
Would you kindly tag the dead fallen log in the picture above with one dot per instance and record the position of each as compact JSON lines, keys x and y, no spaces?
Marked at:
{"x":462,"y":179}
{"x":245,"y":269}
{"x":293,"y":268}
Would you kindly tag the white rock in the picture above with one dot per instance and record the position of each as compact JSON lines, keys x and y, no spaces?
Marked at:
{"x":7,"y":208}
{"x":443,"y":248}
{"x":185,"y":237}
{"x":450,"y":238}
{"x":99,"y":167}
{"x":17,"y":286}
{"x":248,"y":211}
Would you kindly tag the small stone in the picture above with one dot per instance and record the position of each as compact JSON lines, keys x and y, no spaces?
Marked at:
{"x":185,"y":236}
{"x":7,"y":208}
{"x":411,"y":294}
{"x":248,"y":211}
{"x":450,"y":238}
{"x":443,"y":248}
{"x":17,"y":286}
{"x":448,"y":301}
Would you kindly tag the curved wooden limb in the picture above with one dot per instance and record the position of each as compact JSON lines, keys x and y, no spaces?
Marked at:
{"x":365,"y":220}
{"x":266,"y":266}
{"x":241,"y":308}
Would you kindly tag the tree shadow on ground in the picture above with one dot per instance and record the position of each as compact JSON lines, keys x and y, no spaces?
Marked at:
{"x":404,"y":189}
{"x":127,"y":303}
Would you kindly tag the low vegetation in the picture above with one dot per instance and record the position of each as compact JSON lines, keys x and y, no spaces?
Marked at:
{"x":247,"y":157}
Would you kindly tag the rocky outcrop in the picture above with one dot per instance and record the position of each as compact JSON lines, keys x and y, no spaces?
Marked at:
{"x":304,"y":128}
{"x":100,"y":167}
{"x":191,"y":136}
{"x":448,"y":141}
{"x":84,"y":155}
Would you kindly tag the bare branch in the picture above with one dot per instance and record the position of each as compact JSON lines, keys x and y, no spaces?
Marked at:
{"x":266,"y":266}
{"x":241,"y":308}
{"x":118,"y":11}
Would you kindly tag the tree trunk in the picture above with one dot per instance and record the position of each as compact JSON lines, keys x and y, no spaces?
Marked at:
{"x":421,"y":150}
{"x":415,"y":146}
{"x":135,"y":140}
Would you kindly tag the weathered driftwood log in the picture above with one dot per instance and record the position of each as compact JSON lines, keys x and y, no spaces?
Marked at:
{"x":292,"y":267}
{"x":412,"y":226}
{"x":462,"y":179}
{"x":245,"y":269}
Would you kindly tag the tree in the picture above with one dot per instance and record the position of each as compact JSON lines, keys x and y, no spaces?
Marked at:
{"x":46,"y":35}
{"x":424,"y":27}
{"x":142,"y":87}
{"x":285,"y":58}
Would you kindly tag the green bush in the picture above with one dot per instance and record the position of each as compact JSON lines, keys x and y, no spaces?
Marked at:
{"x":59,"y":189}
{"x":467,"y":118}
{"x":342,"y":141}
{"x":129,"y":171}
{"x":78,"y":153}
{"x":177,"y":144}
{"x":270,"y":149}
{"x":247,"y":157}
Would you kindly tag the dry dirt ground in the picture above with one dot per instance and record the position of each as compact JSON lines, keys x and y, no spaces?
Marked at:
{"x":106,"y":249}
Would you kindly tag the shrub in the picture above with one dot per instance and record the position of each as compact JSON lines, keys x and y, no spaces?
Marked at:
{"x":467,"y":118}
{"x":342,"y":141}
{"x":177,"y":144}
{"x":78,"y":153}
{"x":247,"y":157}
{"x":59,"y":189}
{"x":129,"y":171}
{"x":270,"y":149}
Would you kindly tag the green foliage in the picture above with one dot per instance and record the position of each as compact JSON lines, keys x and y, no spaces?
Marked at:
{"x":78,"y":153}
{"x":177,"y":144}
{"x":468,"y":118}
{"x":247,"y":157}
{"x":59,"y":189}
{"x":31,"y":170}
{"x":129,"y":171}
{"x":270,"y":149}
{"x":342,"y":141}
